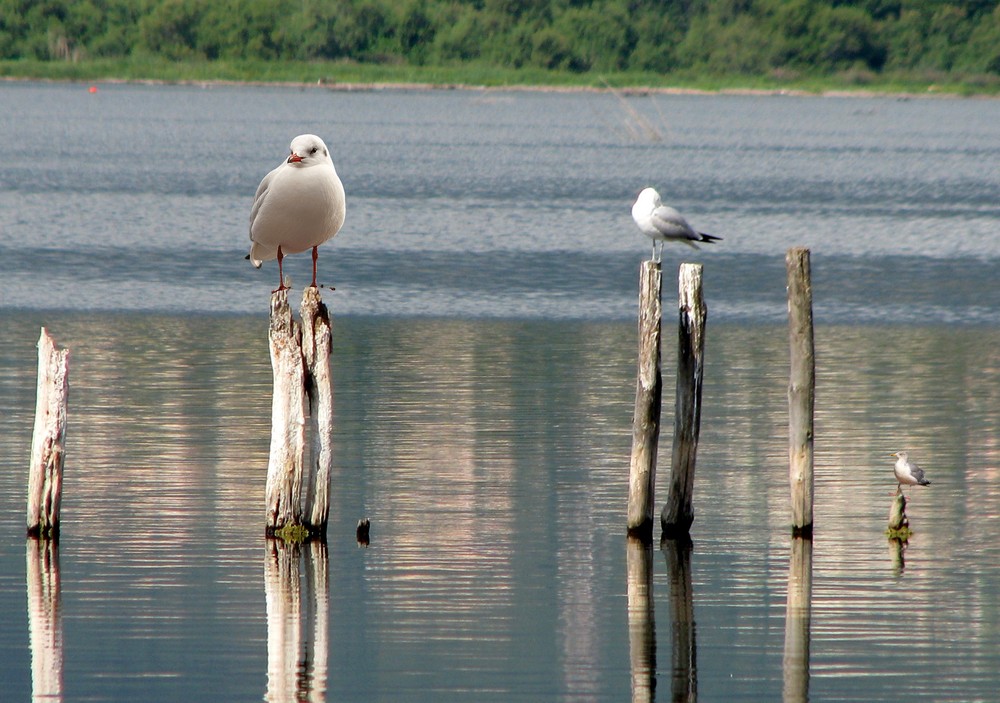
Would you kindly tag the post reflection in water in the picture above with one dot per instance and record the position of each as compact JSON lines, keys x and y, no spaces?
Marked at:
{"x":641,"y":624}
{"x":297,"y":589}
{"x":798,"y":611}
{"x":684,"y":664}
{"x":45,"y":619}
{"x":897,"y":548}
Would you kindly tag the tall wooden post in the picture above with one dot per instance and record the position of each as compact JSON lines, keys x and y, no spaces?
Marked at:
{"x":48,"y":441}
{"x":283,"y":490}
{"x":801,"y":390}
{"x":646,"y":418}
{"x":316,"y":341}
{"x":297,"y":492}
{"x":678,"y":513}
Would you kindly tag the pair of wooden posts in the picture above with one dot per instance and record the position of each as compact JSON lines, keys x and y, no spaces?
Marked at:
{"x":297,"y":494}
{"x":678,"y":513}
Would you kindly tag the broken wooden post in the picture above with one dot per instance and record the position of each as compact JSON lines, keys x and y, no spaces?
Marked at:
{"x":283,"y":490}
{"x":801,"y":390}
{"x":641,"y":627}
{"x":297,"y":492}
{"x":316,"y":341}
{"x":798,"y":616}
{"x":678,"y":513}
{"x":899,"y":524}
{"x":646,"y":418}
{"x":48,"y":441}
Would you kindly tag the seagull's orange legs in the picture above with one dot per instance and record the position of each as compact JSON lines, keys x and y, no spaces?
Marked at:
{"x":281,"y":276}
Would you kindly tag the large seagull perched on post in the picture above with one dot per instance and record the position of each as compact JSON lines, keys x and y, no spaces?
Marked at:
{"x":298,"y":206}
{"x":907,"y":472}
{"x":661,"y":223}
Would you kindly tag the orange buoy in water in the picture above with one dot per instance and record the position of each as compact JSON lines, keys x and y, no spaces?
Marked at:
{"x":92,"y":89}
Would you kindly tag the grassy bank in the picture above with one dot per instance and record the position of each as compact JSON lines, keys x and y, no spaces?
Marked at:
{"x":351,"y":73}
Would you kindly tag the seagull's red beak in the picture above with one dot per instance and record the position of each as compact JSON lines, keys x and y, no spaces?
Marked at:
{"x":294,"y":159}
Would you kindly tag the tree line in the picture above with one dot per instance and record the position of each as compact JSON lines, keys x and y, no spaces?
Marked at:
{"x":715,"y":37}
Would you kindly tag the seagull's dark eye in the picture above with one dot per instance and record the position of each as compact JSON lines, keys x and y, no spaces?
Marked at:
{"x":314,"y":150}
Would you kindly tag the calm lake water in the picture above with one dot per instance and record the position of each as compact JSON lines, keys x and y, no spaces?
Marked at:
{"x":484,"y":370}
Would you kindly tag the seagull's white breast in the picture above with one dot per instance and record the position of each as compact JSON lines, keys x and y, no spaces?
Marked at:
{"x":300,"y":208}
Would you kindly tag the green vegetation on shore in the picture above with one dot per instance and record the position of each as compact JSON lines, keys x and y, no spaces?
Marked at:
{"x":812,"y":45}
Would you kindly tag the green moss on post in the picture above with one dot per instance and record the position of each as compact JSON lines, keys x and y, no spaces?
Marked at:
{"x":293,"y":533}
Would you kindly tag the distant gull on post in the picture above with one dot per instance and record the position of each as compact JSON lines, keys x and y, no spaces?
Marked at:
{"x":907,"y":472}
{"x":298,"y":206}
{"x":661,"y":223}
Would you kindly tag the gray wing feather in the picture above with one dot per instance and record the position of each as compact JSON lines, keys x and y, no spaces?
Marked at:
{"x":259,"y":197}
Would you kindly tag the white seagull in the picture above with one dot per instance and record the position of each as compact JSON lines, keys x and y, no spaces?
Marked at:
{"x":907,"y":472}
{"x":299,"y":205}
{"x":661,"y":222}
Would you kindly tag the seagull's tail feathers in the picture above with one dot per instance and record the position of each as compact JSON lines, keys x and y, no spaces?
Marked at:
{"x":924,"y":482}
{"x":709,"y":238}
{"x":259,"y":254}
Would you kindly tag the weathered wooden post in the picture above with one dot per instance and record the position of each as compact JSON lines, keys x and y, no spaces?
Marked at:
{"x":297,"y":492}
{"x":899,"y":524}
{"x":801,"y":389}
{"x":48,"y":441}
{"x":641,"y":627}
{"x":646,"y":418}
{"x":283,"y":490}
{"x":678,"y":513}
{"x":798,"y":611}
{"x":316,"y":342}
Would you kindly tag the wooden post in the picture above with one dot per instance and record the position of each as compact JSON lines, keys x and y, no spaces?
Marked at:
{"x":684,"y":648}
{"x":899,"y":524}
{"x":641,"y":628}
{"x":316,"y":341}
{"x":798,"y":610}
{"x":297,"y":494}
{"x":283,"y":490}
{"x":801,"y":389}
{"x":678,"y":513}
{"x":646,"y":418}
{"x":48,"y":441}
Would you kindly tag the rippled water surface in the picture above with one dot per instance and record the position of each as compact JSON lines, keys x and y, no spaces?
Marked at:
{"x":484,"y":370}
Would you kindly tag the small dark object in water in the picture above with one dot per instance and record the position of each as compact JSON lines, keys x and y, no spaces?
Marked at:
{"x":363,"y":526}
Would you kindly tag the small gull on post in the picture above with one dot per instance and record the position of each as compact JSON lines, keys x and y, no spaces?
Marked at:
{"x":907,"y":472}
{"x":297,"y":206}
{"x":661,"y":222}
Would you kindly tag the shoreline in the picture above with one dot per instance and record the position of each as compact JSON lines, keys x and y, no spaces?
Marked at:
{"x":625,"y":91}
